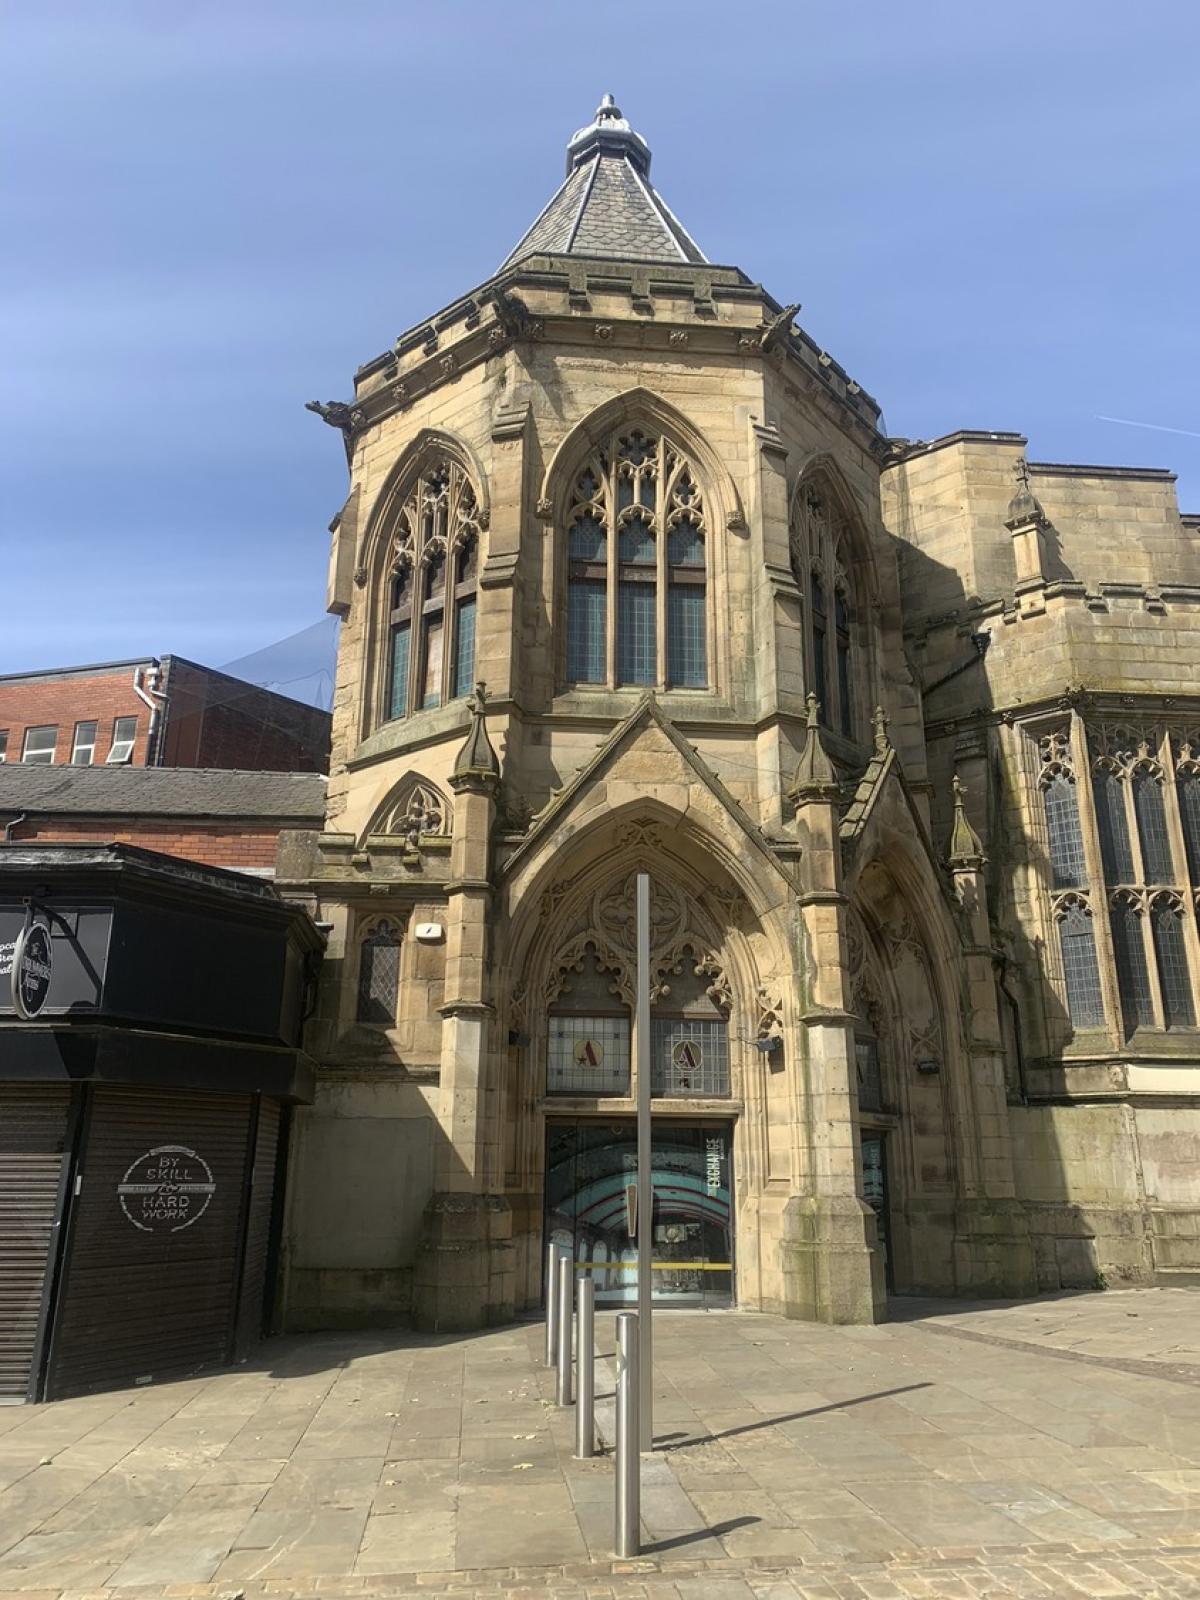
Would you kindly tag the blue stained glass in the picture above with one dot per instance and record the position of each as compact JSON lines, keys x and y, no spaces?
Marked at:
{"x":637,"y":645}
{"x":585,"y":630}
{"x":686,"y":653}
{"x":464,"y":648}
{"x":401,"y":637}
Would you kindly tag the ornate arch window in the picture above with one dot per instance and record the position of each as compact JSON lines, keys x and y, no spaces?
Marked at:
{"x":379,"y":975}
{"x":433,"y":567}
{"x":689,"y":1032}
{"x":637,"y":568}
{"x":588,"y":1031}
{"x":820,"y":565}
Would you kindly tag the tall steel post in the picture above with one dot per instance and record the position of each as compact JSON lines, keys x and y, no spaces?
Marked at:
{"x":552,"y":1254}
{"x":563,"y":1286}
{"x":585,"y":1366}
{"x":628,"y":1462}
{"x":645,"y":1199}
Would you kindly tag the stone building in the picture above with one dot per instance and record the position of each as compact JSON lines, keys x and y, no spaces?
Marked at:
{"x":903,"y":734}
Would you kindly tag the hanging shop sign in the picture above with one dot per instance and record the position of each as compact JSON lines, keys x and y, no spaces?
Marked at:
{"x":167,"y":1189}
{"x":32,"y":970}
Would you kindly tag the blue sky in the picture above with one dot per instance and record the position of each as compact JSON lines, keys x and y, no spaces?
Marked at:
{"x":990,"y":214}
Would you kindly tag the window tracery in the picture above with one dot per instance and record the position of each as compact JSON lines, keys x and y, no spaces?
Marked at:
{"x":433,"y":575}
{"x":637,"y":568}
{"x":819,"y":544}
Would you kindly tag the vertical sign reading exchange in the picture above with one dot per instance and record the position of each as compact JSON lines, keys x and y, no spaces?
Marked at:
{"x":167,"y":1189}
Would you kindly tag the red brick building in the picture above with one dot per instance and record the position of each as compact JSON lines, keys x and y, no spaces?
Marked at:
{"x":157,"y":712}
{"x":218,"y":818}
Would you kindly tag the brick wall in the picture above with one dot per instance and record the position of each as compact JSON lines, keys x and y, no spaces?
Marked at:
{"x":232,"y":844}
{"x":63,"y":702}
{"x":217,"y":721}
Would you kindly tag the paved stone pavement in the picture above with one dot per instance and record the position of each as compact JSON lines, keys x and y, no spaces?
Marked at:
{"x":1048,"y":1448}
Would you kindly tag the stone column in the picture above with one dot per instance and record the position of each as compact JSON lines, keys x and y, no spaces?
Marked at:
{"x":775,"y":669}
{"x":464,"y":1276}
{"x":993,"y":1253}
{"x":832,"y":1268}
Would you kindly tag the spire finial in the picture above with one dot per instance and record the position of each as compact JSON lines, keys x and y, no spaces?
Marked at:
{"x":879,"y":723}
{"x":476,"y":762}
{"x":1024,"y":505}
{"x":608,"y":133}
{"x":966,"y":851}
{"x":816,"y":777}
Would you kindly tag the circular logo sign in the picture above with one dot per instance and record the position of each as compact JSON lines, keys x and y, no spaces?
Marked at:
{"x":687,"y":1055}
{"x":32,"y":969}
{"x":589,"y":1052}
{"x":166,"y":1189}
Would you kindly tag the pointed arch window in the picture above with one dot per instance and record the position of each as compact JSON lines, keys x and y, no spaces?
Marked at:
{"x":637,"y":569}
{"x":434,"y":578}
{"x":1151,"y":816}
{"x":379,"y":975}
{"x":1170,"y":954}
{"x":1068,"y":869}
{"x":819,"y":552}
{"x":1081,"y":970}
{"x":689,"y":1034}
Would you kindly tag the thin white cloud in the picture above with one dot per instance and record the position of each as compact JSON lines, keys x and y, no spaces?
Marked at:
{"x":1155,"y":427}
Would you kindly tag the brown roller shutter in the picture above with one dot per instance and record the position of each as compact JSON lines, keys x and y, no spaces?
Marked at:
{"x":260,"y":1216}
{"x":153,"y":1257}
{"x":33,"y":1138}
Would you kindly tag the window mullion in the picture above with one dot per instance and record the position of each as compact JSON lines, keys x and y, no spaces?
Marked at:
{"x":1156,"y":1000}
{"x":660,"y":574}
{"x":1175,"y":839}
{"x":611,"y":590}
{"x":1131,"y":823}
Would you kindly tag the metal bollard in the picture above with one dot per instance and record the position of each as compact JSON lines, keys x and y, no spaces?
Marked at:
{"x":585,"y":1367}
{"x":628,"y":1453}
{"x":563,"y":1287}
{"x":553,"y":1251}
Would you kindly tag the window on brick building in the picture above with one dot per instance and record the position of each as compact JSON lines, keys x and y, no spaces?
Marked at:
{"x":124,"y":734}
{"x":636,"y":569}
{"x":83,"y":746}
{"x":3,"y":745}
{"x":432,"y":597}
{"x":40,"y":745}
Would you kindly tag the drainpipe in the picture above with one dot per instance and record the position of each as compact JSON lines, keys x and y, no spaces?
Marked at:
{"x":11,"y":827}
{"x":157,"y":706}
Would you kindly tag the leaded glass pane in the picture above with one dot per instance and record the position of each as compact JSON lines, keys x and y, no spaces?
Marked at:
{"x":1179,"y":1010}
{"x":1114,"y":826}
{"x":1067,"y":867}
{"x":585,"y":630}
{"x":1077,"y":938}
{"x":587,"y":541}
{"x":686,"y":653}
{"x":1189,"y":812}
{"x":379,"y":977}
{"x":685,"y":546}
{"x":587,"y":1055}
{"x":432,"y":687}
{"x":464,"y":648}
{"x":401,"y":640}
{"x":845,"y":713}
{"x":637,"y":545}
{"x":870,"y":1083}
{"x":688,"y":1057}
{"x":637,"y":644}
{"x":1133,"y":978}
{"x":1152,"y":827}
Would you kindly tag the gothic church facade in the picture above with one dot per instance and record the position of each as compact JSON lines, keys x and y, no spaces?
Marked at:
{"x":905,"y":734}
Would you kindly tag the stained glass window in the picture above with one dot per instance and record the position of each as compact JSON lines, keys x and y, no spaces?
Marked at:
{"x":1113,"y":823}
{"x":401,"y":632}
{"x":1189,"y":813}
{"x":1152,"y":827}
{"x":1133,"y":977}
{"x":1077,"y":940}
{"x":1067,"y":867}
{"x":841,"y":626}
{"x":819,"y":644}
{"x":1179,"y":1009}
{"x":379,"y":975}
{"x":636,"y":564}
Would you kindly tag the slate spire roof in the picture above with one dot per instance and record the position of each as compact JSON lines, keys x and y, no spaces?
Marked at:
{"x":606,"y":205}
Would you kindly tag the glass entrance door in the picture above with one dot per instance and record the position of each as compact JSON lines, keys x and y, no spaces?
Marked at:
{"x":875,"y":1193}
{"x":590,"y":1167}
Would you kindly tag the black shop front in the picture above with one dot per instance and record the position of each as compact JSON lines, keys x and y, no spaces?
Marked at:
{"x":150,"y":1020}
